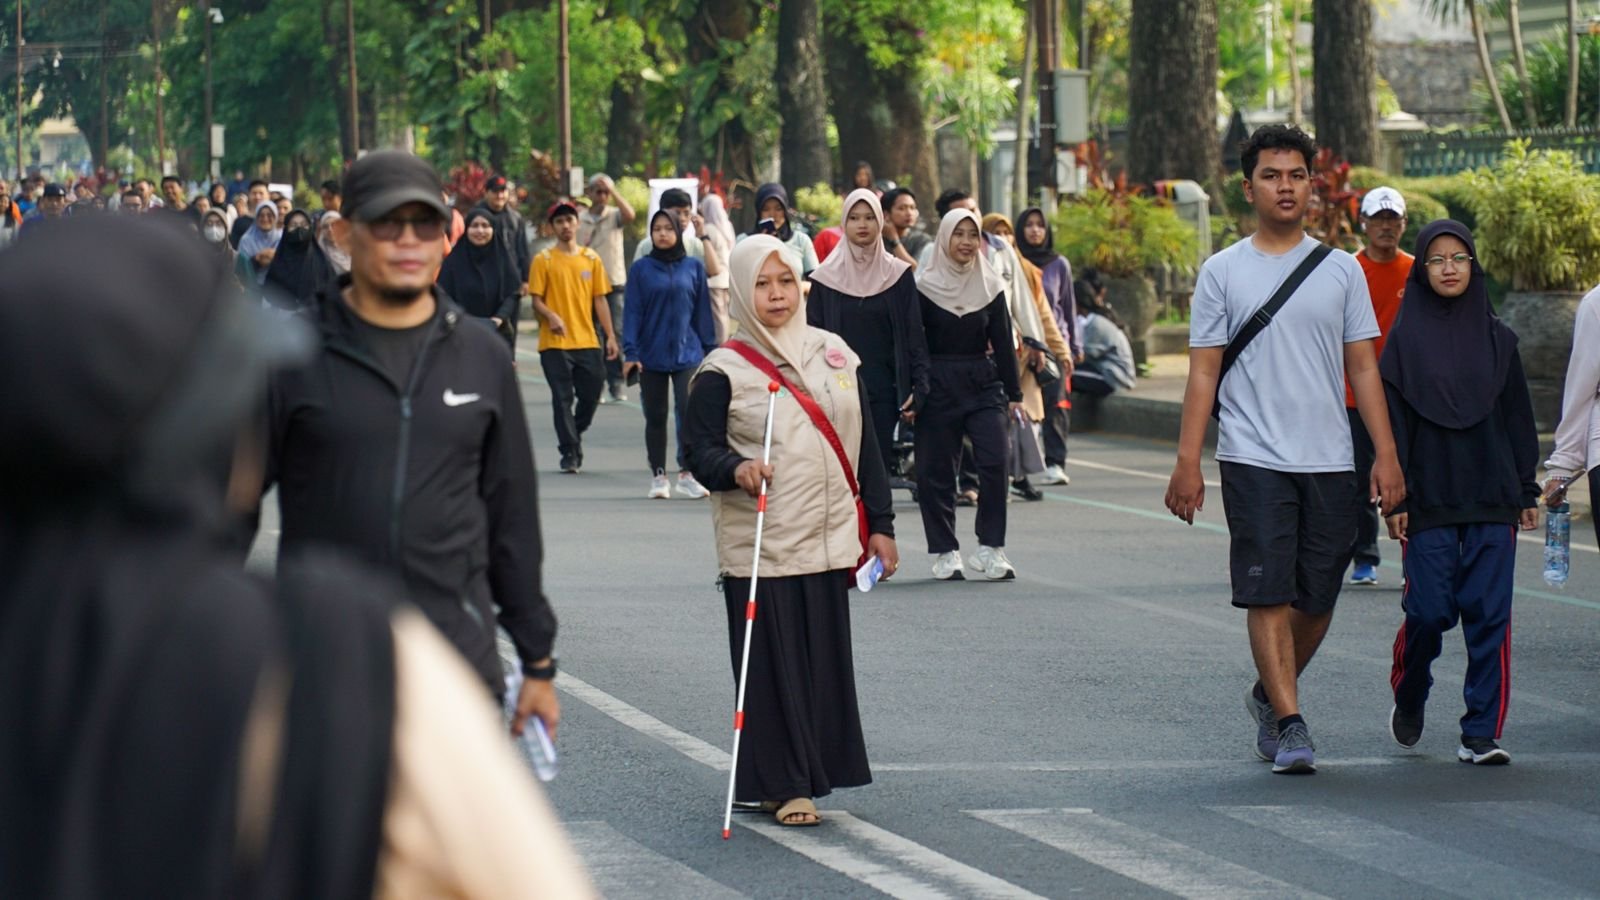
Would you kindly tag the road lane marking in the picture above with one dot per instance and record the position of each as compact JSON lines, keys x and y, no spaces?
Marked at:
{"x":1546,"y":821}
{"x":838,"y":846}
{"x":1139,"y":855}
{"x":1368,"y":843}
{"x":619,"y":866}
{"x":1178,"y":765}
{"x":898,"y":851}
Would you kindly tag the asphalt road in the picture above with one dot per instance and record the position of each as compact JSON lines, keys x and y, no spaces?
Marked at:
{"x":1077,"y":732}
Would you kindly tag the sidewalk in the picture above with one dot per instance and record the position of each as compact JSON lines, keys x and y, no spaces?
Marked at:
{"x":1154,"y":410}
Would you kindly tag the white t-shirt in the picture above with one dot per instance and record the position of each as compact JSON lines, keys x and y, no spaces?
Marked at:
{"x":1283,"y":401}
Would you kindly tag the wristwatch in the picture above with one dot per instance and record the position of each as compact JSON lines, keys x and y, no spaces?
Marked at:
{"x":545,"y":672}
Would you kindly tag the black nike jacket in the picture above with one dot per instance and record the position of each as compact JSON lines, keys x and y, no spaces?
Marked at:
{"x":432,"y":479}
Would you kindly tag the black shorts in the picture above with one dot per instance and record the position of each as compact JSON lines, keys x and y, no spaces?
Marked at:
{"x":1292,"y":535}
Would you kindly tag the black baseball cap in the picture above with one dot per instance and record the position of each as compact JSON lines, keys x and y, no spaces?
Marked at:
{"x":54,"y":190}
{"x":385,"y":180}
{"x":497,"y":183}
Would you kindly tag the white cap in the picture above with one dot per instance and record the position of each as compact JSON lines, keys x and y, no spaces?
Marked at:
{"x":1383,"y":199}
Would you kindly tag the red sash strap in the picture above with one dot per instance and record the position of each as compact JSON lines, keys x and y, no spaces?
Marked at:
{"x":820,"y":420}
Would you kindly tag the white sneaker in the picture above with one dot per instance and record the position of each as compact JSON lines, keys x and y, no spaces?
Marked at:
{"x":1054,"y":475}
{"x":690,"y":488}
{"x":947,"y":567}
{"x":992,"y":562}
{"x":660,"y":489}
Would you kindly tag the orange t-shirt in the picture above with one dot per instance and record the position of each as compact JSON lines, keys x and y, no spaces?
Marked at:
{"x":1386,"y":282}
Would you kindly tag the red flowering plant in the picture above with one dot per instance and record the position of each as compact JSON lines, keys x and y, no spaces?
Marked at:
{"x":467,"y":183}
{"x":1335,"y":205}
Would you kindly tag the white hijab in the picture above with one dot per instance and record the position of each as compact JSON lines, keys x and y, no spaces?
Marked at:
{"x":789,"y":345}
{"x":957,"y":289}
{"x":860,"y":271}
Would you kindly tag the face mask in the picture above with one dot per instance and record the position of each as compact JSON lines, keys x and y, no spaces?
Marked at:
{"x":215,"y":233}
{"x":298,"y":235}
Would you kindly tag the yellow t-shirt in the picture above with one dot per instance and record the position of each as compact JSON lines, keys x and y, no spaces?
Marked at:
{"x":568,"y":284}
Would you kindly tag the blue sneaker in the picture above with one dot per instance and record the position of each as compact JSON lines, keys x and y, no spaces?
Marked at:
{"x":1364,"y":574}
{"x":1296,"y":755}
{"x":1266,"y":725}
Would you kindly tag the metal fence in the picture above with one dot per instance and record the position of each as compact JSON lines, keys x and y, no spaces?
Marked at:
{"x":1445,"y":153}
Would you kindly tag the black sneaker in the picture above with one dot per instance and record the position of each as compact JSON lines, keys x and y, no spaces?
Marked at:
{"x":1405,"y":726}
{"x":571,"y":464}
{"x":1481,"y":752}
{"x":1024,"y":488}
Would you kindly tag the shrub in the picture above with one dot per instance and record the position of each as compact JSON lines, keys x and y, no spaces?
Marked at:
{"x":1538,"y":220}
{"x":819,"y":205}
{"x":637,"y":192}
{"x":1451,"y":192}
{"x":1123,"y":236}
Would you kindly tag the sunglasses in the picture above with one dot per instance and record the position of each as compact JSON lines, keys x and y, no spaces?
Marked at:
{"x":429,"y":228}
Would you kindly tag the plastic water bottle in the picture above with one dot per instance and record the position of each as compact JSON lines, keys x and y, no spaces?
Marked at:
{"x":1557,"y":544}
{"x":535,"y":740}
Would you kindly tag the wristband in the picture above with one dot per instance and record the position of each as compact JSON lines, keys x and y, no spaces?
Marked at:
{"x":545,"y":672}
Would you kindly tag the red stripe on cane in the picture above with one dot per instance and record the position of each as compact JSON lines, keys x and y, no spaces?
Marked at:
{"x":725,"y":834}
{"x":738,"y":721}
{"x":750,"y":610}
{"x":761,"y":503}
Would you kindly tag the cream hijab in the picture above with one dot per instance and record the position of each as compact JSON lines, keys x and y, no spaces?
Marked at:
{"x":957,"y":289}
{"x":860,"y":271}
{"x":790,"y":345}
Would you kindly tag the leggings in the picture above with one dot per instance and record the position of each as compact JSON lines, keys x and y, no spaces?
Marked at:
{"x":653,"y":396}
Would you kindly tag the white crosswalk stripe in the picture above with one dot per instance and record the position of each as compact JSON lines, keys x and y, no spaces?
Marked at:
{"x":1368,"y":843}
{"x":622,"y":867}
{"x":1137,"y":854}
{"x":886,"y":861}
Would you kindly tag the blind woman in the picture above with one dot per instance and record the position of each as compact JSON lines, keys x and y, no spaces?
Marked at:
{"x":802,"y":728}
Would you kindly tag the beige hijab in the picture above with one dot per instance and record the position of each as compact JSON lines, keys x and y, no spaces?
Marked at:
{"x":957,"y":289}
{"x":860,"y":271}
{"x":790,"y":345}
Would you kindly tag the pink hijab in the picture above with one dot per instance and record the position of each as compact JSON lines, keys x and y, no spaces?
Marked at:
{"x":860,"y":271}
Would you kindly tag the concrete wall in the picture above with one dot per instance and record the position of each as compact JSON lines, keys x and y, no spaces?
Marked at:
{"x":1432,"y":81}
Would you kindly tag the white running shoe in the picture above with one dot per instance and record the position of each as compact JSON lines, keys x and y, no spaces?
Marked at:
{"x":690,"y":488}
{"x":1054,"y":475}
{"x":992,"y":562}
{"x":947,"y":567}
{"x":660,"y":488}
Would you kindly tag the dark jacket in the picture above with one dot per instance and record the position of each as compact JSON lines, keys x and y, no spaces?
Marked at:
{"x":510,"y":233}
{"x":1485,"y":474}
{"x":433,"y":479}
{"x":667,"y":322}
{"x":910,"y":342}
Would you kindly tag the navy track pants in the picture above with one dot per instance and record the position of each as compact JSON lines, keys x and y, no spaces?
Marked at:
{"x":1460,"y":572}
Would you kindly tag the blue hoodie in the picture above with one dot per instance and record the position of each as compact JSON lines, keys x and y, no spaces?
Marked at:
{"x":667,"y":322}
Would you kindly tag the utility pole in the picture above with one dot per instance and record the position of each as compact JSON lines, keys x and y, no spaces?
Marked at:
{"x":355,"y":108}
{"x":213,"y":164}
{"x":161,"y":121}
{"x":564,"y":100}
{"x":21,"y":170}
{"x":1047,"y":25}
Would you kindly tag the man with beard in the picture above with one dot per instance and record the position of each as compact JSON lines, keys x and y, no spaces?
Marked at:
{"x":404,"y":441}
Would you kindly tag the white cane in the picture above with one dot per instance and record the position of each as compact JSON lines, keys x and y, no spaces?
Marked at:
{"x":750,"y":610}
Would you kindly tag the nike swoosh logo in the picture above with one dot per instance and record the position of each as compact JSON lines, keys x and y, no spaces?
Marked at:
{"x":451,"y":398}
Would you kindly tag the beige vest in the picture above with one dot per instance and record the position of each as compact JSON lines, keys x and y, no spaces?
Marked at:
{"x":811,"y":515}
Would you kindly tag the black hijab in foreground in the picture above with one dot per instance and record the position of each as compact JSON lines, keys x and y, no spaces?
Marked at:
{"x":675,"y":252}
{"x":133,"y":649}
{"x":479,"y":278}
{"x":1043,"y":254}
{"x":1448,"y":357}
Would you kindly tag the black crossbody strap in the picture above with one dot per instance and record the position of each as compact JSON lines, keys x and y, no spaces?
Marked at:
{"x":1263,"y":316}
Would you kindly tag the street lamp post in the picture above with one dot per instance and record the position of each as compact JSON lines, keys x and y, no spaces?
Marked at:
{"x":564,"y":101}
{"x":355,"y":108}
{"x":161,"y":121}
{"x":205,"y":10}
{"x":21,"y":172}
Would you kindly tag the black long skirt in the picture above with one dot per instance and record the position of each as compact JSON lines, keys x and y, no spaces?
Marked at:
{"x":802,"y":727}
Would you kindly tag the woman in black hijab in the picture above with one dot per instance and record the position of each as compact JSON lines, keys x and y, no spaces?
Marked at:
{"x":479,"y":275}
{"x":773,"y":217}
{"x":1464,"y":428}
{"x":289,"y":284}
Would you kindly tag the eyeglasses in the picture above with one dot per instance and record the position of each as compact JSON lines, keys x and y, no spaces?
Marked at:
{"x":1460,"y":259}
{"x":430,"y":228}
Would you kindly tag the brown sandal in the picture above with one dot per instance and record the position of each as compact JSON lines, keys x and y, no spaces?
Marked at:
{"x":799,"y":806}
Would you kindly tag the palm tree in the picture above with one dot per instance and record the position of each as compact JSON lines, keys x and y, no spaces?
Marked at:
{"x":1450,"y":11}
{"x":1573,"y":62}
{"x":1512,"y":10}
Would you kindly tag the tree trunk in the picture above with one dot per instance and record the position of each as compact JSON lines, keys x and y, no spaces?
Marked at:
{"x":333,"y":35}
{"x":1573,"y":61}
{"x":1343,"y":91}
{"x":802,"y":96}
{"x":881,"y":117}
{"x":1172,"y":91}
{"x":1519,"y":59}
{"x":625,"y":134}
{"x":1297,"y":108}
{"x":729,"y":150}
{"x":1486,"y":65}
{"x":1019,"y":189}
